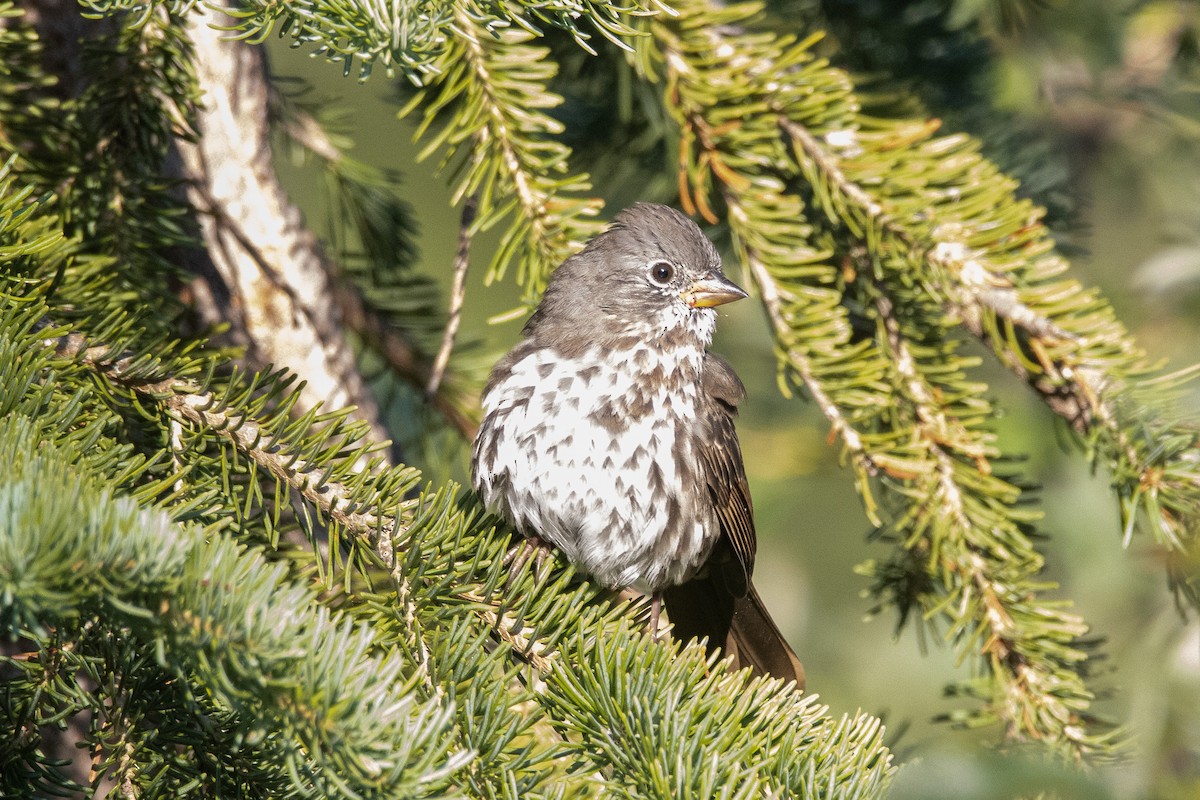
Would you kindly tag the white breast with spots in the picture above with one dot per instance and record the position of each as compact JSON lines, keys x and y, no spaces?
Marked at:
{"x":586,"y":457}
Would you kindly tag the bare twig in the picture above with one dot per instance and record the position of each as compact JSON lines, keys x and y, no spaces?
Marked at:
{"x":302,"y":127}
{"x":462,"y":258}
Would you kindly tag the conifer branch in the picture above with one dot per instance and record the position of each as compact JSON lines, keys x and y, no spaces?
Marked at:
{"x":488,"y":104}
{"x":500,"y":121}
{"x":257,"y":671}
{"x":391,"y":694}
{"x":769,"y":291}
{"x":812,"y":330}
{"x":334,"y":500}
{"x":972,"y":290}
{"x":964,"y":554}
{"x":1017,"y":660}
{"x":189,"y":400}
{"x":520,"y":637}
{"x":1064,"y":341}
{"x":571,"y":696}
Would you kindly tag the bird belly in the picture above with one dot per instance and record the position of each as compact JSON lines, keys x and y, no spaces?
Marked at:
{"x":608,"y":490}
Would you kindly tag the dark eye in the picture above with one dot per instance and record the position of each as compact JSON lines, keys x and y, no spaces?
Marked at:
{"x":661,"y":272}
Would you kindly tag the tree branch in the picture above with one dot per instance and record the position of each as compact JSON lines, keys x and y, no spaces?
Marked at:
{"x":974,"y":292}
{"x":382,"y":532}
{"x":768,"y":290}
{"x":202,"y":408}
{"x":1005,"y":645}
{"x":964,"y":529}
{"x":404,"y":359}
{"x":270,"y":264}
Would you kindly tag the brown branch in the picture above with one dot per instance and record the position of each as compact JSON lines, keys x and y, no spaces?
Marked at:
{"x":302,"y":127}
{"x":271,"y":268}
{"x":189,"y":402}
{"x":462,"y":258}
{"x":404,"y":359}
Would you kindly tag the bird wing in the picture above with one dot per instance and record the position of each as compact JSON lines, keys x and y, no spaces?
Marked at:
{"x":724,"y":474}
{"x":719,"y":605}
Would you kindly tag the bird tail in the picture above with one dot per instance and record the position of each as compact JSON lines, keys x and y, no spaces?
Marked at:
{"x":704,"y":608}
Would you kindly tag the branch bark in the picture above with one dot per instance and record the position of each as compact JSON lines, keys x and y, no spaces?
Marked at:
{"x":271,"y":267}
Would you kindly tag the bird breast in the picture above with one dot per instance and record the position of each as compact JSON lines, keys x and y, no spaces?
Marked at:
{"x":594,"y":453}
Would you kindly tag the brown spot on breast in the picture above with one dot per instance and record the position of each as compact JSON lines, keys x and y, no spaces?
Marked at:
{"x":607,"y":418}
{"x":636,"y":404}
{"x":657,"y":484}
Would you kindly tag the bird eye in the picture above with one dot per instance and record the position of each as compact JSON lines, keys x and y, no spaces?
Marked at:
{"x":661,"y":272}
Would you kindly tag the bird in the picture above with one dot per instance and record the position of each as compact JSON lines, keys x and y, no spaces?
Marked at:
{"x":608,"y":433}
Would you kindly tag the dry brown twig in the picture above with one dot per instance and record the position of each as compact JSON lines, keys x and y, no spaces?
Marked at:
{"x":458,"y":292}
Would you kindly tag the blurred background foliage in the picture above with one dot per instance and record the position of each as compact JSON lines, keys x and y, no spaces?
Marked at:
{"x":1095,"y":106}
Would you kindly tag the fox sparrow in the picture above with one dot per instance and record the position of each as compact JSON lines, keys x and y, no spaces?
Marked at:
{"x":609,"y":433}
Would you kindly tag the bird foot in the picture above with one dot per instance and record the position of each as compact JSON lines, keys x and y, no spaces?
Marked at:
{"x":655,"y":614}
{"x":531,"y":546}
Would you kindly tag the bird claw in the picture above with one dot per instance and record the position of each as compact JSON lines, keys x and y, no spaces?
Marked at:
{"x":655,"y":614}
{"x":518,"y":556}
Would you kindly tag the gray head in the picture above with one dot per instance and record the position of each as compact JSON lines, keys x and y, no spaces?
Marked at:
{"x":652,"y":273}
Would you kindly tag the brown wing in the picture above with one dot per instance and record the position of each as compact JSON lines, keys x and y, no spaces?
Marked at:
{"x":725,"y":474}
{"x":720,"y":605}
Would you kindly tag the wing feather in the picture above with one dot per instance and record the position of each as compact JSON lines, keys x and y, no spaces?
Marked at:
{"x":724,"y":473}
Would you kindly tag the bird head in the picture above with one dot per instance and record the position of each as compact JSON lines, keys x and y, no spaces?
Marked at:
{"x":652,"y":273}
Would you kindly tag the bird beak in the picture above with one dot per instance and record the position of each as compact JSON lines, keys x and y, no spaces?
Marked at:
{"x":712,"y":291}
